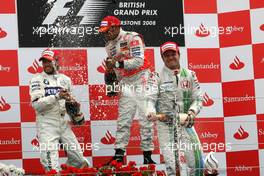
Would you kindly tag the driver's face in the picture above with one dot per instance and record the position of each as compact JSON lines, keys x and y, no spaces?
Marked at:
{"x":47,"y":66}
{"x":112,"y":33}
{"x":171,"y":59}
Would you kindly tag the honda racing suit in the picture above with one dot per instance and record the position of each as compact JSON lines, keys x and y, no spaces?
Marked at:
{"x":50,"y":122}
{"x":179,"y":93}
{"x":129,"y":47}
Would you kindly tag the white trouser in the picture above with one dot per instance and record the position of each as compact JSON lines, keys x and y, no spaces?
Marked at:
{"x":52,"y":131}
{"x":188,"y":143}
{"x":134,"y":99}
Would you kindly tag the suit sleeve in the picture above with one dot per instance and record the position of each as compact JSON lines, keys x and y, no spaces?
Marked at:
{"x":70,"y":87}
{"x":153,"y":91}
{"x":137,"y":49}
{"x":197,"y":97}
{"x":39,"y":101}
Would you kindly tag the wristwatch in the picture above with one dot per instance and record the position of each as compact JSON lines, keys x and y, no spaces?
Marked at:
{"x":117,"y":65}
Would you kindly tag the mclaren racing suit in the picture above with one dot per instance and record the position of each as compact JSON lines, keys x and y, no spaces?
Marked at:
{"x":50,"y":122}
{"x":179,"y":93}
{"x":129,"y":47}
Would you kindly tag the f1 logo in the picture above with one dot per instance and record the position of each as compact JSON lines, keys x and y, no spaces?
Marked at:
{"x":57,"y":10}
{"x":90,"y":11}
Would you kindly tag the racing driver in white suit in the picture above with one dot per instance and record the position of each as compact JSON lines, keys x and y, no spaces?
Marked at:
{"x":125,"y":52}
{"x":180,"y":96}
{"x":49,"y":91}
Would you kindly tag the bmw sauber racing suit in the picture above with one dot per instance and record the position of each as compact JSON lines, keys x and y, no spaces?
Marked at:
{"x":184,"y":94}
{"x":129,"y":47}
{"x":50,"y":122}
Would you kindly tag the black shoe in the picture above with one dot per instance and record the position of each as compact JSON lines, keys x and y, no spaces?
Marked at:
{"x":147,"y":157}
{"x":119,"y":159}
{"x":119,"y":156}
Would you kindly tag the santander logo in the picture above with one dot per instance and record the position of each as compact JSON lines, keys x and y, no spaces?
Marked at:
{"x":207,"y":101}
{"x":202,"y":31}
{"x":3,"y":33}
{"x":262,"y":27}
{"x":237,"y":64}
{"x":108,"y":139}
{"x":101,"y":68}
{"x":241,"y":134}
{"x":4,"y":106}
{"x":35,"y":68}
{"x":35,"y":142}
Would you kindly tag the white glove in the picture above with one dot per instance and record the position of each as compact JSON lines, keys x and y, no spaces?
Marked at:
{"x":183,"y":119}
{"x":149,"y":107}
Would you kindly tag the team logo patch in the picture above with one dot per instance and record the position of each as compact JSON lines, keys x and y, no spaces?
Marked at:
{"x":51,"y":90}
{"x":113,"y":51}
{"x":134,"y":43}
{"x":136,"y":54}
{"x":168,"y":86}
{"x":136,"y":49}
{"x":123,"y":49}
{"x":45,"y":81}
{"x":185,"y":84}
{"x":113,"y":48}
{"x":123,"y":44}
